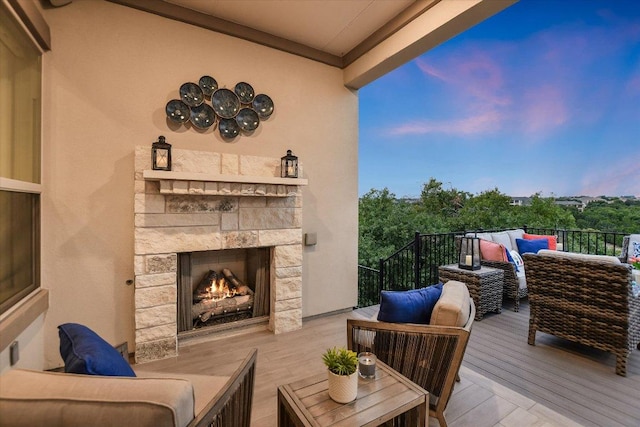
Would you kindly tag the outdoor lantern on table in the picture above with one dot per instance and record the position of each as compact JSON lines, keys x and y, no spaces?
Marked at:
{"x":289,"y":166}
{"x":161,"y":155}
{"x":469,"y":255}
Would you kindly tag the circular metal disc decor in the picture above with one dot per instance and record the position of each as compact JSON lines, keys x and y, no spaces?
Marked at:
{"x":237,"y":111}
{"x":208,"y":85}
{"x":225,"y":103}
{"x":228,"y":128}
{"x":202,"y":116}
{"x":191,"y":94}
{"x":263,"y":105}
{"x":245,"y":92}
{"x":247,"y":120}
{"x":177,"y":111}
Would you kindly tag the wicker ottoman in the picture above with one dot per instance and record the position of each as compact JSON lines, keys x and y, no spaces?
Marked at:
{"x":485,"y":286}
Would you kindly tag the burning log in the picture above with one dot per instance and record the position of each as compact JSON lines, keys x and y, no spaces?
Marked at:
{"x":220,"y":294}
{"x":208,"y":308}
{"x":235,"y":283}
{"x":203,"y":290}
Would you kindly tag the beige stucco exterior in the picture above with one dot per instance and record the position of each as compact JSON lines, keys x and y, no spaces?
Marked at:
{"x":106,"y":81}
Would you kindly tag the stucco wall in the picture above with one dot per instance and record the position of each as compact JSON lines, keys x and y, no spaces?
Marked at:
{"x":107,"y":79}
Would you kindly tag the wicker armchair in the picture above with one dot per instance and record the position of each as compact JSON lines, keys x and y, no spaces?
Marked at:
{"x":585,"y":299}
{"x":428,"y":355}
{"x":231,"y":407}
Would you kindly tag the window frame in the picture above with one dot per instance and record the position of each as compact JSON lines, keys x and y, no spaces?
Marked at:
{"x":30,"y":303}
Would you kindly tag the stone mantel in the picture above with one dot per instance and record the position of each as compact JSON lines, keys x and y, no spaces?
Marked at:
{"x":155,"y":175}
{"x":196,"y":183}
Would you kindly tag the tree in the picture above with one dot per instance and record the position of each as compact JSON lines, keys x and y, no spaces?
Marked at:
{"x":437,"y":201}
{"x":545,"y":213}
{"x":489,"y":210}
{"x":385,"y":224}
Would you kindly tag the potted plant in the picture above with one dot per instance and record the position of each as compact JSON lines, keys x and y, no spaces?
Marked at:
{"x":342,"y":366}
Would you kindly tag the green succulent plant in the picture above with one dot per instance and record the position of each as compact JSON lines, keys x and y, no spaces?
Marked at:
{"x":340,"y":361}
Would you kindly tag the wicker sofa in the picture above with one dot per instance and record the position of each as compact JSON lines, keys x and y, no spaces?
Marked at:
{"x":515,"y":285}
{"x":586,"y":299}
{"x":37,"y":398}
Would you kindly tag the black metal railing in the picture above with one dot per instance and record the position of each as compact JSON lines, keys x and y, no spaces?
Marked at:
{"x":415,"y":265}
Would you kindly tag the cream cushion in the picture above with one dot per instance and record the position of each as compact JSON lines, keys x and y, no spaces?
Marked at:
{"x":205,"y":387}
{"x":585,"y":257}
{"x":453,"y":308}
{"x":30,"y":398}
{"x":504,"y":239}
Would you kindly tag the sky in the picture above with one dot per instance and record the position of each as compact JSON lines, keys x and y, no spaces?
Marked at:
{"x":543,"y":97}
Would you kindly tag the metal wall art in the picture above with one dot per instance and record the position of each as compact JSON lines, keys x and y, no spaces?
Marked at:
{"x":236,"y":111}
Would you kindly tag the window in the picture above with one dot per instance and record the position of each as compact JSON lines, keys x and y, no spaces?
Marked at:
{"x":20,"y":94}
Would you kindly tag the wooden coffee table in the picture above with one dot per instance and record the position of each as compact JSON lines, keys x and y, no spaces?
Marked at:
{"x":380,"y":399}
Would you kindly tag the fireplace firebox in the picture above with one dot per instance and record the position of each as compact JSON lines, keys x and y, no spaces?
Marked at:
{"x":222,"y":286}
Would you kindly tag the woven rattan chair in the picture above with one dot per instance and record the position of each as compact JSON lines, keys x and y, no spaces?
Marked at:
{"x":428,"y":355}
{"x":583,"y":300}
{"x":231,"y":407}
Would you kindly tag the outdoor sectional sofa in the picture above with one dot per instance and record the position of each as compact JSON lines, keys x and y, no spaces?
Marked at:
{"x":587,"y":299}
{"x":515,"y":284}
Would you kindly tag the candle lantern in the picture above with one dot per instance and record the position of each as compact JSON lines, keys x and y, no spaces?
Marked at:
{"x":289,"y":166}
{"x":469,"y":255}
{"x":161,"y":155}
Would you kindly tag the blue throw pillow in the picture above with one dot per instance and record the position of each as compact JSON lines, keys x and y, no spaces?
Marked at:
{"x":414,"y":306}
{"x":531,"y":246}
{"x":84,"y":352}
{"x":510,"y":259}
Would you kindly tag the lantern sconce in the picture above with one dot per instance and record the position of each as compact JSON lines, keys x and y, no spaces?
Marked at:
{"x":161,"y":155}
{"x":289,"y":166}
{"x":469,"y":255}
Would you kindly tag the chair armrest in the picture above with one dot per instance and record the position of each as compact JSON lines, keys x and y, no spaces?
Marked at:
{"x":428,"y":355}
{"x":231,"y":406}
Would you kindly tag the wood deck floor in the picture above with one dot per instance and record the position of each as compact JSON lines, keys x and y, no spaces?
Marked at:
{"x":505,"y":382}
{"x":574,"y":380}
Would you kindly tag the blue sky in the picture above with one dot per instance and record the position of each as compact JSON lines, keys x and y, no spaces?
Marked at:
{"x":543,"y":97}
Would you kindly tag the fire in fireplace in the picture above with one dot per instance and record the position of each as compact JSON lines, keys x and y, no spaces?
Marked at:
{"x":221,"y":295}
{"x":219,"y":287}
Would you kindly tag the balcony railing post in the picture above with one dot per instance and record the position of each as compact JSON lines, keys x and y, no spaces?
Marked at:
{"x":380,"y":275}
{"x":416,"y":264}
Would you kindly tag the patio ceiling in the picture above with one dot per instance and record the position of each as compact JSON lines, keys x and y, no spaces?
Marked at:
{"x":366,"y":38}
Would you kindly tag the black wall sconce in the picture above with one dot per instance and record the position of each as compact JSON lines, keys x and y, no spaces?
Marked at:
{"x":289,"y":166}
{"x":161,"y":155}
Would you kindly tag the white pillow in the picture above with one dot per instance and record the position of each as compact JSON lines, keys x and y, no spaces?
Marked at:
{"x":516,"y":258}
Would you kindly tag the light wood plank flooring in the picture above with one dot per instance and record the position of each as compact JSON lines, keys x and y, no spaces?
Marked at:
{"x":571,"y":379}
{"x":477,"y":401}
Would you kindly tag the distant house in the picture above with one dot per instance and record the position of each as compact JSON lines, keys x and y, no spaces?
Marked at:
{"x":520,"y":201}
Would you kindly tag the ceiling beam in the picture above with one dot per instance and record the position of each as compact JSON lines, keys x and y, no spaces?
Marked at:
{"x":444,"y":20}
{"x":199,"y":19}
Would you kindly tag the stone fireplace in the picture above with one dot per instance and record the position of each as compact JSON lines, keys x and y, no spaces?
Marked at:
{"x":211,"y":202}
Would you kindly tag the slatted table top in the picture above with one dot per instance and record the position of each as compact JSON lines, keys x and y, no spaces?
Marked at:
{"x":380,"y":399}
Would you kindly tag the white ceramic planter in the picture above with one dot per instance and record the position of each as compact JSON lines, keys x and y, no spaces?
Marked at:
{"x":343,"y":388}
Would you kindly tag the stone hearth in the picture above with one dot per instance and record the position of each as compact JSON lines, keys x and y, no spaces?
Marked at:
{"x":211,"y":201}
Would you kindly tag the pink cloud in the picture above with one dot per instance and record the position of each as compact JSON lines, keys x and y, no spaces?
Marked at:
{"x":621,"y":178}
{"x":473,"y":76}
{"x":543,"y":108}
{"x":481,"y":123}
